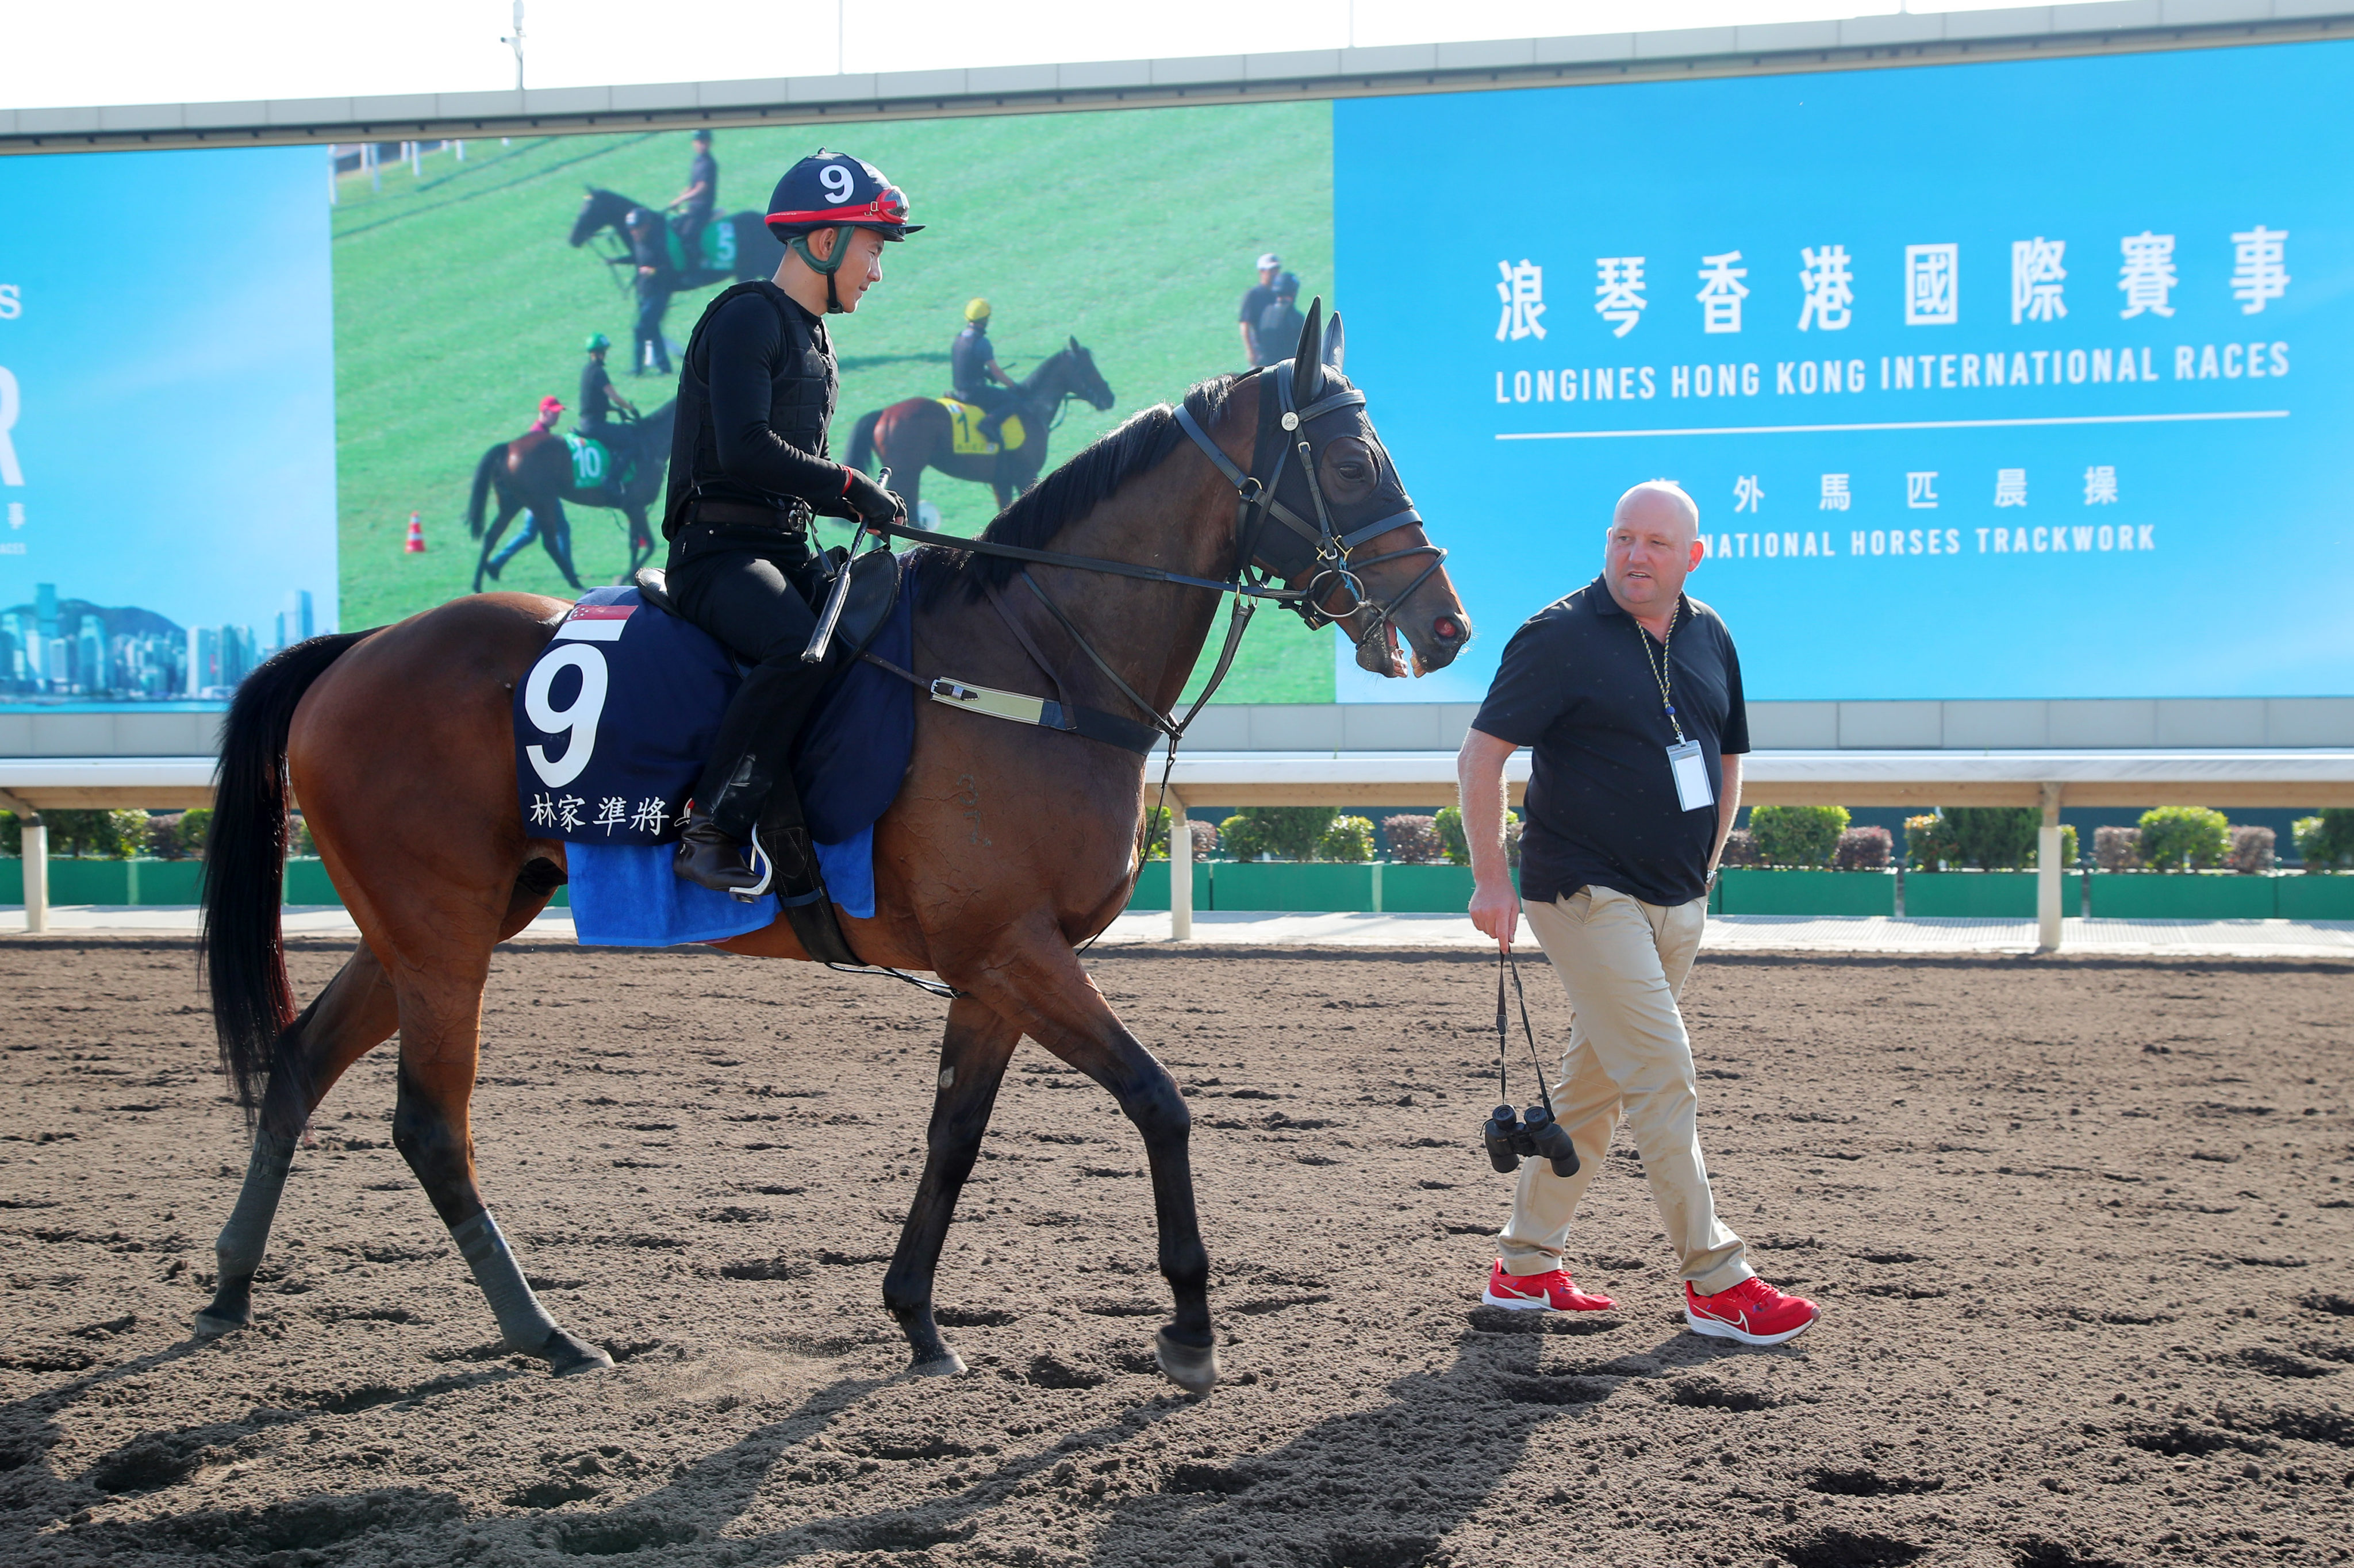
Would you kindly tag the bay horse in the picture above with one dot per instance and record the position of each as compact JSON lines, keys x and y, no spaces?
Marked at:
{"x":1008,"y":847}
{"x":534,"y":472}
{"x":908,"y":437}
{"x":645,"y":236}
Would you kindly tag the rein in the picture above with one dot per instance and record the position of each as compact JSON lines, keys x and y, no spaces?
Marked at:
{"x":1330,"y":565}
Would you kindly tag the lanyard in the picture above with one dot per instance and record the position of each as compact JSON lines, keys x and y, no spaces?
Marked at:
{"x":1666,"y":674}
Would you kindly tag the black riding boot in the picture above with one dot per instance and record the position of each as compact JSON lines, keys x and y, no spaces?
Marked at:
{"x":747,"y":799}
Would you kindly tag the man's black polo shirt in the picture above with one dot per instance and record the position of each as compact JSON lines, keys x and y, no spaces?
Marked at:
{"x":1602,"y":805}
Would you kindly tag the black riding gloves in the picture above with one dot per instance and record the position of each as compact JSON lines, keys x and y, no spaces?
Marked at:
{"x":869,"y":500}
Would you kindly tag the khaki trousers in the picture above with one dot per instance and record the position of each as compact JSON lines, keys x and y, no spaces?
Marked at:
{"x":1623,"y":962}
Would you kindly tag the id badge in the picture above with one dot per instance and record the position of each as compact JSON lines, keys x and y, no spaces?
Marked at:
{"x":1692,"y":776}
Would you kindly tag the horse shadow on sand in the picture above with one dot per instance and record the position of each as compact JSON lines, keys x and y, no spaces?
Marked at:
{"x":1379,"y":1486}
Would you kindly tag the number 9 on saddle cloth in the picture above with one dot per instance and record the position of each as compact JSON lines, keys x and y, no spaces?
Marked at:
{"x":613,"y":726}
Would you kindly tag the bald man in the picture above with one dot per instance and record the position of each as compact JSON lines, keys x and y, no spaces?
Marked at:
{"x":1629,"y":694}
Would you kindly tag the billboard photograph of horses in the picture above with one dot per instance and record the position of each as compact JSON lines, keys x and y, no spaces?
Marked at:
{"x":1100,"y":255}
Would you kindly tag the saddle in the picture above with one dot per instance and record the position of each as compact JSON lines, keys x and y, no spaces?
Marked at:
{"x":965,"y":439}
{"x":867,"y":610}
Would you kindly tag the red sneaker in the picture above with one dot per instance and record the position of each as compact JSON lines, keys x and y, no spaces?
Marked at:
{"x":1539,"y":1293}
{"x":1752,"y":1313}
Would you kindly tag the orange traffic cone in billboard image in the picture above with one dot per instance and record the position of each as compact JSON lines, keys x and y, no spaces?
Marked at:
{"x":416,"y":545}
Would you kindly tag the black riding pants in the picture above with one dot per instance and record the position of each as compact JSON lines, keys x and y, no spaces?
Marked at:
{"x":749,"y":600}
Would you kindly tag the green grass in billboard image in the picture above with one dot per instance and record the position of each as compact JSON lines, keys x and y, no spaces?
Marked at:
{"x":459,"y":305}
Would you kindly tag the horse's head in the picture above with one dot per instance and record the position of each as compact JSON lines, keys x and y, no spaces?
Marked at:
{"x":1368,"y":567}
{"x":1085,"y":380}
{"x":599,"y":210}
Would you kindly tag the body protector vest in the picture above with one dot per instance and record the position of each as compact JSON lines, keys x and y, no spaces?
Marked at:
{"x":802,"y":389}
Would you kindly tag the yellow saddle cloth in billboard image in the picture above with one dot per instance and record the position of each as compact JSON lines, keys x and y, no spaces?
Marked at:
{"x":965,"y":439}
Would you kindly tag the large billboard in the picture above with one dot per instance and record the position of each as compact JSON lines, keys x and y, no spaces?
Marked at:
{"x":167,"y":461}
{"x":1999,"y":380}
{"x":1991,"y":381}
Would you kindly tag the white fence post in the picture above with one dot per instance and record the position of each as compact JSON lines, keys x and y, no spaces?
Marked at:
{"x":1180,"y":871}
{"x":37,"y":874}
{"x":2048,"y":873}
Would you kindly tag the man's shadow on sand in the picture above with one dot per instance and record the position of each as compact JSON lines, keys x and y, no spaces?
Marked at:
{"x":1378,"y":1488}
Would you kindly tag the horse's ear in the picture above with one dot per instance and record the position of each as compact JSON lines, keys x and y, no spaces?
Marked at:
{"x":1336,"y":342}
{"x":590,"y":188}
{"x":1075,"y":344}
{"x":1307,"y":370}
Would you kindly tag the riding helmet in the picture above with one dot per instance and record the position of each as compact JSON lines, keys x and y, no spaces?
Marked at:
{"x":596,"y":340}
{"x":977,"y":311}
{"x":831,"y":190}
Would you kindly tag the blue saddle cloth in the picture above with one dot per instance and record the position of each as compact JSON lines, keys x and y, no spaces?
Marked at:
{"x":612,"y":727}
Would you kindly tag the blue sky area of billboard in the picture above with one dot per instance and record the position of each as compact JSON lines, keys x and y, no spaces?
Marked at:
{"x":2193,"y":464}
{"x":169,"y":340}
{"x":170,"y":51}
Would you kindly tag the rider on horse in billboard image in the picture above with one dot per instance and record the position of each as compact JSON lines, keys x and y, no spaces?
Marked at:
{"x":748,"y":467}
{"x":599,"y":399}
{"x":973,"y":368}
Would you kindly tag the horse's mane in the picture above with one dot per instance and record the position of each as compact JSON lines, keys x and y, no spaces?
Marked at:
{"x":1069,"y":493}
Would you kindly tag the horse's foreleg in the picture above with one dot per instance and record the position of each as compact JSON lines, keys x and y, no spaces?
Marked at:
{"x":972,"y":1064}
{"x":353,"y":1016}
{"x":642,"y":542}
{"x":440,"y":1020}
{"x":1044,"y":987}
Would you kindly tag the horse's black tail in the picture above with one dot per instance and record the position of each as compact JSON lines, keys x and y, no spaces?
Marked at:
{"x":861,"y":441}
{"x":245,"y":863}
{"x":482,"y":473}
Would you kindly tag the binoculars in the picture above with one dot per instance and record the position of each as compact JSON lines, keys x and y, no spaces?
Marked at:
{"x":1532,"y":1135}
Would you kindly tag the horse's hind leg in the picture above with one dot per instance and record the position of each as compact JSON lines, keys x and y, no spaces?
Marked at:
{"x":440,"y":1032}
{"x":352,"y":1017}
{"x":1041,"y":985}
{"x":972,"y":1064}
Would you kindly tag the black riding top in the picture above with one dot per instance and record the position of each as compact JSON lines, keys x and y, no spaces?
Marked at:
{"x":969,"y":360}
{"x":1279,"y":326}
{"x":596,"y":393}
{"x":704,"y":172}
{"x":756,"y":393}
{"x":1577,"y":685}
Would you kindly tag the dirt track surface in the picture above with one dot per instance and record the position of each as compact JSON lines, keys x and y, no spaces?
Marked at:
{"x":2079,"y":1229}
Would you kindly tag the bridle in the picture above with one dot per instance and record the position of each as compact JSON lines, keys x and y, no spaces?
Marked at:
{"x":1322,"y":550}
{"x":1319,"y":549}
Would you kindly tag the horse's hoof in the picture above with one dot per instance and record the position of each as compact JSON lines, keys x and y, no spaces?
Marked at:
{"x":947,"y":1363}
{"x":567,"y":1356}
{"x":1193,"y":1367}
{"x":212,"y":1325}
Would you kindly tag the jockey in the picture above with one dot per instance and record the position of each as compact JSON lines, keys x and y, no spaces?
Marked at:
{"x":973,"y":369}
{"x":748,"y":466}
{"x":702,"y":194}
{"x":599,"y":399}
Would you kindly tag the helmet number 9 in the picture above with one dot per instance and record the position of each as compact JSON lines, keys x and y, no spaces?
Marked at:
{"x":838,"y":181}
